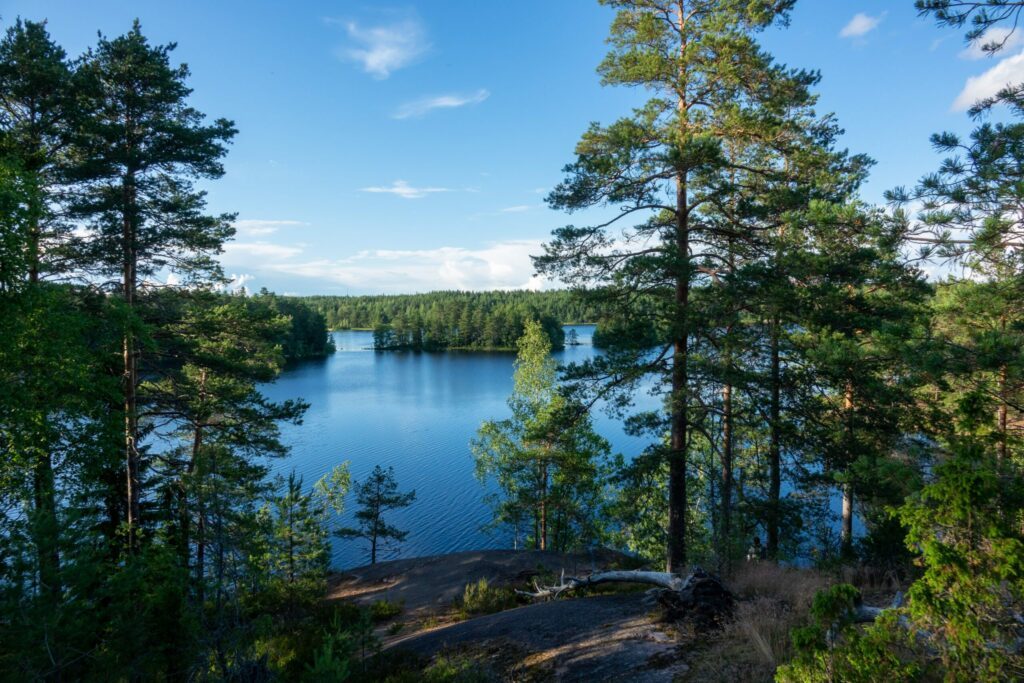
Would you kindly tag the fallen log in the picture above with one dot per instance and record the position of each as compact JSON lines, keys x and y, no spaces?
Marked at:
{"x":660,"y":579}
{"x":698,"y":596}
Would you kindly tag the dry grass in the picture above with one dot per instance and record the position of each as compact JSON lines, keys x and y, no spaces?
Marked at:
{"x":794,"y":587}
{"x":772,"y":600}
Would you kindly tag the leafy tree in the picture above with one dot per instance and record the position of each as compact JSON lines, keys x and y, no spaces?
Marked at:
{"x":546,"y":458}
{"x":376,"y":495}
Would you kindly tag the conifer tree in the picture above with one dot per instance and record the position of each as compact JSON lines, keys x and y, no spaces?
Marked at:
{"x":376,"y":495}
{"x":39,"y":117}
{"x":142,"y":150}
{"x":716,"y":98}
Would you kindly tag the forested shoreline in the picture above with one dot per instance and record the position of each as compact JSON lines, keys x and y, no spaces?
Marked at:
{"x":793,"y":346}
{"x":453,"y":320}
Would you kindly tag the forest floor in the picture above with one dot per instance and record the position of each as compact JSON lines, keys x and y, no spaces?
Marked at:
{"x":607,"y":637}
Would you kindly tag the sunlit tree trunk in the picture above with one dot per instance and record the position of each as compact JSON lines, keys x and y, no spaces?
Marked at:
{"x":846,"y":531}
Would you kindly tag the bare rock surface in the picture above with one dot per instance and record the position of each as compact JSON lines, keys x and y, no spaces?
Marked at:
{"x":599,"y":638}
{"x":430,"y":585}
{"x":614,"y":637}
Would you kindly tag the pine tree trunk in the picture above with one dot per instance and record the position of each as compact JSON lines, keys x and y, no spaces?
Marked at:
{"x":543,"y":506}
{"x":846,"y":531}
{"x":1002,"y":416}
{"x":677,"y":503}
{"x":201,"y":552}
{"x":727,"y":439}
{"x":46,"y":529}
{"x":184,"y":516}
{"x":131,"y":424}
{"x":774,"y":448}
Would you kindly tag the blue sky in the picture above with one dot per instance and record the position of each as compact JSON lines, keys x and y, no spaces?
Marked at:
{"x":407,"y":147}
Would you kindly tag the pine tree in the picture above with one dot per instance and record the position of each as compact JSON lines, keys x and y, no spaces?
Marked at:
{"x":142,"y":150}
{"x":670,"y":169}
{"x":39,"y":117}
{"x":376,"y":495}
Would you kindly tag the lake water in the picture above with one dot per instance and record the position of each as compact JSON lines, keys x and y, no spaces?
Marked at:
{"x":416,"y":412}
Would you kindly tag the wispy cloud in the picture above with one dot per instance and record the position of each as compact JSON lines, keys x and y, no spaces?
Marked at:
{"x":385,"y":48}
{"x":425,"y":105}
{"x":860,"y":25}
{"x":516,"y":209}
{"x":502,"y":265}
{"x":402,"y":189}
{"x":257,"y":227}
{"x":997,"y":39}
{"x":1009,"y":71}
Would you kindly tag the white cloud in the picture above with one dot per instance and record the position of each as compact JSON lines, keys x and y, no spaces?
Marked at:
{"x":503,"y":265}
{"x":861,"y":25}
{"x":516,"y":209}
{"x":255,"y":227}
{"x":1005,"y":38}
{"x":425,"y":105}
{"x":1009,"y":71}
{"x":406,"y":191}
{"x":244,"y":252}
{"x":238,"y":280}
{"x":384,"y":49}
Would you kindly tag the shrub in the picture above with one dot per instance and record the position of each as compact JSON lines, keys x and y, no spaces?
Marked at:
{"x":832,"y":648}
{"x":382,"y":610}
{"x":483,"y":598}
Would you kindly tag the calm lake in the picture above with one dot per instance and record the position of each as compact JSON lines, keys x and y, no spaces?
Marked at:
{"x":416,"y":412}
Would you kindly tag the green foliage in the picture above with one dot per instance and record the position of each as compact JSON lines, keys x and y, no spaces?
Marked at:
{"x":483,"y":598}
{"x":307,"y":335}
{"x":878,"y":652}
{"x":455,"y":669}
{"x":972,"y":552}
{"x":382,"y":610}
{"x":376,"y":495}
{"x":546,"y":458}
{"x":455,"y":319}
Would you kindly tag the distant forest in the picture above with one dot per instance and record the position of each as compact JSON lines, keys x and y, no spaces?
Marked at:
{"x":453,"y":320}
{"x":306,"y":335}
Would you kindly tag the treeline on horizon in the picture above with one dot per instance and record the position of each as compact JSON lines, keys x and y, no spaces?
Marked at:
{"x":436,"y":321}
